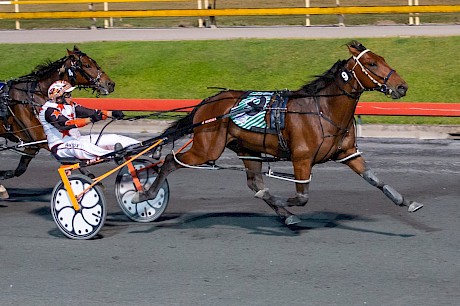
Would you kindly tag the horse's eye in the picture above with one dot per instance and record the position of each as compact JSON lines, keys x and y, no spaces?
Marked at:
{"x":373,"y":64}
{"x":88,"y":66}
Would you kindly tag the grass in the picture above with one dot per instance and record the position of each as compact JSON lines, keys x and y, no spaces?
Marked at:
{"x":185,"y":69}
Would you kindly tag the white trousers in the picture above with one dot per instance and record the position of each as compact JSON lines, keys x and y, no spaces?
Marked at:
{"x":85,"y":148}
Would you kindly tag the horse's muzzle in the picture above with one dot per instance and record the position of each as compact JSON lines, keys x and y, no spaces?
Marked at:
{"x":399,"y":92}
{"x":106,"y":87}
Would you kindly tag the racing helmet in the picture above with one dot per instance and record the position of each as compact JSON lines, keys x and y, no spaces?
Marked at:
{"x":58,"y":89}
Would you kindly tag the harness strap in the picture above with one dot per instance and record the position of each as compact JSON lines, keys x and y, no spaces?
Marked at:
{"x":358,"y":153}
{"x":213,"y":167}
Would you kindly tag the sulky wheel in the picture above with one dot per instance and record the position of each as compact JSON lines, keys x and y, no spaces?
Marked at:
{"x":146,"y":211}
{"x":85,"y":223}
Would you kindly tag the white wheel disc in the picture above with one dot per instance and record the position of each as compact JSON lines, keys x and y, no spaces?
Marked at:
{"x":86,"y":222}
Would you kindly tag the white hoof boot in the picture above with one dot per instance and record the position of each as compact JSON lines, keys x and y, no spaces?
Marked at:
{"x":3,"y":193}
{"x":414,"y":206}
{"x":262,"y":194}
{"x":291,"y":220}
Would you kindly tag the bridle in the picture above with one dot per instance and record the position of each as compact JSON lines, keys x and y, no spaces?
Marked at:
{"x":382,"y":87}
{"x":77,"y":66}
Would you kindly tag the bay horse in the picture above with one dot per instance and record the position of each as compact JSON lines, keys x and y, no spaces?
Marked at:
{"x":319,"y":127}
{"x":21,"y":99}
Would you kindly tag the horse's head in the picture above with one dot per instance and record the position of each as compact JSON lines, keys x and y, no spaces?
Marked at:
{"x":373,"y":73}
{"x":80,"y":69}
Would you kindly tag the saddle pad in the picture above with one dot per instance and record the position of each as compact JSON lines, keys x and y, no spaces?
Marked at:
{"x":255,"y":104}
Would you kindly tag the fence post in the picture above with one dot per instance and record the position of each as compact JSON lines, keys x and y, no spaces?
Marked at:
{"x":93,"y":25}
{"x":16,"y":10}
{"x":206,"y":7}
{"x":417,"y":18}
{"x":106,"y":21}
{"x":341,"y":16}
{"x":411,"y":18}
{"x":307,"y":17}
{"x":212,"y":19}
{"x":200,"y":20}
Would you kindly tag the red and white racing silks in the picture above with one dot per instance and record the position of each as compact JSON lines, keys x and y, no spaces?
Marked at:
{"x":61,"y":122}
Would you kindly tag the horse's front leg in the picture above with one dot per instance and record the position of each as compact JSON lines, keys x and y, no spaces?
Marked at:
{"x":256,"y":183}
{"x":359,"y":166}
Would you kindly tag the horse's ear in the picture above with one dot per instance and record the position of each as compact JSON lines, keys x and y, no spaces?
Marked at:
{"x":71,"y":52}
{"x":75,"y":49}
{"x":352,"y":50}
{"x":355,"y":47}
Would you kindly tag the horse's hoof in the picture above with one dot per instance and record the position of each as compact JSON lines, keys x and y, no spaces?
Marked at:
{"x":262,"y":194}
{"x":3,"y":193}
{"x":414,"y":206}
{"x":137,"y":198}
{"x":7,"y":174}
{"x":291,"y":220}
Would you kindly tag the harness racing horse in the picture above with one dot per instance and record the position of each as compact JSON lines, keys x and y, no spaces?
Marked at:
{"x":21,"y":98}
{"x":319,"y":126}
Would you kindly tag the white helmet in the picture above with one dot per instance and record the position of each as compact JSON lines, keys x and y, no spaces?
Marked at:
{"x":58,"y":88}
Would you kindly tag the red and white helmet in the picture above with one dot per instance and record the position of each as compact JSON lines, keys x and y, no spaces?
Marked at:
{"x":58,"y":88}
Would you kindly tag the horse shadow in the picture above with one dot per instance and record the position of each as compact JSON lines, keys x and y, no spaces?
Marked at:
{"x":254,"y":223}
{"x":262,"y":224}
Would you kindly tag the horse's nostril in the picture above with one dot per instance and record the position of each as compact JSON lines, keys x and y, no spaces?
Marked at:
{"x":111,"y":85}
{"x":402,"y":89}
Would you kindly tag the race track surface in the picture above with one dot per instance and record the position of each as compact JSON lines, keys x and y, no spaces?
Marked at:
{"x":78,"y":36}
{"x":218,"y":245}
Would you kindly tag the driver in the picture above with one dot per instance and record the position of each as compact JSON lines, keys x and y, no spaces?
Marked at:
{"x":61,"y":117}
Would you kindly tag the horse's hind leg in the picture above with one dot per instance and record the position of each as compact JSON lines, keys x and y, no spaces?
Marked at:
{"x":195,"y":156}
{"x":256,"y":184}
{"x":359,"y":166}
{"x":169,"y":165}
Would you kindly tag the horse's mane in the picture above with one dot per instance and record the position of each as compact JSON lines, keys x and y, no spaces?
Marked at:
{"x":327,"y":77}
{"x":42,"y":70}
{"x":321,"y":81}
{"x":45,"y":68}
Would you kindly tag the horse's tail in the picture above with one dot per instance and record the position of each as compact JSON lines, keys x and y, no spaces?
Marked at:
{"x":181,"y":127}
{"x":185,"y":126}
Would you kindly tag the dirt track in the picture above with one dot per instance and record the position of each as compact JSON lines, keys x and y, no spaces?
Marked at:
{"x":217,"y":245}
